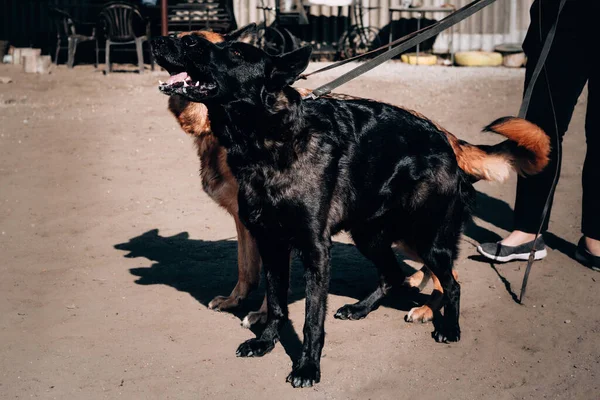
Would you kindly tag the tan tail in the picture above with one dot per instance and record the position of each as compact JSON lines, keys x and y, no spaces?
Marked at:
{"x":526,"y":151}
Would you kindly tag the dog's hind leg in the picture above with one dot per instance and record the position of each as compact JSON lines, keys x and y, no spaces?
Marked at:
{"x":419,"y":279}
{"x":373,"y":245}
{"x":425,"y":312}
{"x":440,"y":258}
{"x":248,"y":271}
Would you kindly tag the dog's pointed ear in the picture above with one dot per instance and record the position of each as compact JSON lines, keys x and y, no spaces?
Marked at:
{"x":247,"y":34}
{"x":287,"y":67}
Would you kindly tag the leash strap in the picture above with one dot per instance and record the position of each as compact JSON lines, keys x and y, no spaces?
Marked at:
{"x":540,"y":64}
{"x":427,"y":33}
{"x":522,"y":113}
{"x":358,"y":57}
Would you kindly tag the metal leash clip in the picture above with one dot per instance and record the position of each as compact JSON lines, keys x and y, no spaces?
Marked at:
{"x":310,"y":96}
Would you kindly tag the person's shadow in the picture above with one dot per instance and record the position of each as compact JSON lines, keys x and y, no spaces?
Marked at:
{"x":205,"y":269}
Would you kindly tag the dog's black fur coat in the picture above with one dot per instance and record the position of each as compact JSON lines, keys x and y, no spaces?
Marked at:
{"x":307,"y":169}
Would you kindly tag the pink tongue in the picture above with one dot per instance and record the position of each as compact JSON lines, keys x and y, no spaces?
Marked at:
{"x":181,"y":77}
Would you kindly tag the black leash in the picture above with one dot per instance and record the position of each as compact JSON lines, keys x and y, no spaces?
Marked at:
{"x":358,"y":57}
{"x":406,"y":44}
{"x":522,"y":113}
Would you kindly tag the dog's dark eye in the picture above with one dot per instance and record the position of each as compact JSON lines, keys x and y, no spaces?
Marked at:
{"x":236,"y":53}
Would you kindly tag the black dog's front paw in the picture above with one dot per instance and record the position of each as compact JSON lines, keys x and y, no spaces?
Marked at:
{"x":304,"y":375}
{"x":447,"y":335}
{"x":352,"y":311}
{"x":255,"y":348}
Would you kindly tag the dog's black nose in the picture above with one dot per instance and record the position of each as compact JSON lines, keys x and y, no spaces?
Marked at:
{"x":190,"y":41}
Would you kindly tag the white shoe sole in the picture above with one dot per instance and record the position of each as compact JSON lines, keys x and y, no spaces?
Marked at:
{"x":518,"y":256}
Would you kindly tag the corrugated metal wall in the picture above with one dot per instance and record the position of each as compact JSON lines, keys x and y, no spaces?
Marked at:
{"x":505,"y":21}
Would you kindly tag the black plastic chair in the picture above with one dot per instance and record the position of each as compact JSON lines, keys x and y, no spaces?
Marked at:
{"x":122,"y":23}
{"x":66,"y":31}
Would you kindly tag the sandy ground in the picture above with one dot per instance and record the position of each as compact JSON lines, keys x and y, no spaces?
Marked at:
{"x":111,"y":251}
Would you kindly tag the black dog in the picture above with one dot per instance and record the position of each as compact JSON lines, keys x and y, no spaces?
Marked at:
{"x":307,"y":169}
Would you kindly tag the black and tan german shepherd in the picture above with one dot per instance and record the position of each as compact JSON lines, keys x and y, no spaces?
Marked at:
{"x":220,"y":185}
{"x":307,"y":169}
{"x":217,"y":179}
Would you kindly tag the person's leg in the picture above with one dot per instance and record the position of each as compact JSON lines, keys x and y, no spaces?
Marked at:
{"x":590,"y":219}
{"x":555,"y":94}
{"x":593,"y":245}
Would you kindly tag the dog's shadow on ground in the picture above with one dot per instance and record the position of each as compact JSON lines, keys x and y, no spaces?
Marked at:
{"x":205,"y":269}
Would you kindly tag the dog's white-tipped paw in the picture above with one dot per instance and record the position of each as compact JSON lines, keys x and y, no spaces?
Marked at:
{"x":421,"y":314}
{"x":254,"y":317}
{"x":246,"y":322}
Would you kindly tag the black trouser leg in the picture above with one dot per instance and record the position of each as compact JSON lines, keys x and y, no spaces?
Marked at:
{"x":555,"y":93}
{"x":590,"y":219}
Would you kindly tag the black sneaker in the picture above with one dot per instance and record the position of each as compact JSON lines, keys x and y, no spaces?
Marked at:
{"x":585,"y":257}
{"x":502,"y":253}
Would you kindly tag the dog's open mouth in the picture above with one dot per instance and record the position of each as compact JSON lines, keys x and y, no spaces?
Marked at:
{"x":182,"y":83}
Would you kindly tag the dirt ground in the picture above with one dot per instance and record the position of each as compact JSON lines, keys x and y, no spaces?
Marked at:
{"x":111,"y":252}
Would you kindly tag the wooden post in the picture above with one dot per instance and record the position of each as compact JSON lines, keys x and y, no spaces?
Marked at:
{"x":29,"y":63}
{"x":20,"y":53}
{"x":33,"y":62}
{"x":164,"y":28}
{"x":43,"y":64}
{"x":16,"y":56}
